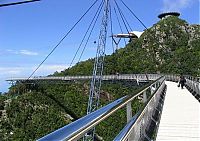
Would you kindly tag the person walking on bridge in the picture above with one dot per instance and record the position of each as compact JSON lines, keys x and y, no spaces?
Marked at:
{"x":182,"y":81}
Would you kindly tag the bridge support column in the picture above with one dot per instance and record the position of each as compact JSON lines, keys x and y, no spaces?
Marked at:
{"x":129,"y":112}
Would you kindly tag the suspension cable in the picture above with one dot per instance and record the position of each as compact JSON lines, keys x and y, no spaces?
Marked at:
{"x":119,"y":23}
{"x":96,"y":14}
{"x":62,"y":39}
{"x":113,"y":41}
{"x":126,"y":21}
{"x":121,"y":16}
{"x":91,"y":31}
{"x":17,"y":3}
{"x":111,"y":28}
{"x":124,"y":16}
{"x":134,"y":14}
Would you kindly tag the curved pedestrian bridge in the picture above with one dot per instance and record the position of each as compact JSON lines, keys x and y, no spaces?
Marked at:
{"x":180,"y":120}
{"x":169,"y":112}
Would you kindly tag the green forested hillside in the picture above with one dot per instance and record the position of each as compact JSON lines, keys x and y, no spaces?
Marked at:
{"x":31,"y":115}
{"x":29,"y":112}
{"x":170,"y":46}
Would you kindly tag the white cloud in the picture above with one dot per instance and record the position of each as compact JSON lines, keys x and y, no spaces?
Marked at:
{"x":24,"y":72}
{"x":27,"y":52}
{"x":12,"y":51}
{"x":22,"y":52}
{"x":6,"y":72}
{"x":176,"y":5}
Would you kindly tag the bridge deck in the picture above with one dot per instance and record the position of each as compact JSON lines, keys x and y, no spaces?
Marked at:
{"x":180,"y":120}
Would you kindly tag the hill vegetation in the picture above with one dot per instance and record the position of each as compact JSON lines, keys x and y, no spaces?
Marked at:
{"x":170,"y":46}
{"x":28,"y":112}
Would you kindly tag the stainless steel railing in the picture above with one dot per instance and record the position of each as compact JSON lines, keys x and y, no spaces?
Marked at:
{"x":78,"y":128}
{"x":140,"y":125}
{"x":139,"y":77}
{"x":193,"y":85}
{"x":172,"y":77}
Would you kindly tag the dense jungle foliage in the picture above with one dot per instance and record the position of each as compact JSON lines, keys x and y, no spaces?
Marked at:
{"x":30,"y":115}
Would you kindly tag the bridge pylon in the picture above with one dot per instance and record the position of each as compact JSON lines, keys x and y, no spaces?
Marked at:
{"x":95,"y":85}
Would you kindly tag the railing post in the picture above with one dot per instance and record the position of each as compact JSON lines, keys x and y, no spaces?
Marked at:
{"x":144,"y":96}
{"x":129,"y":117}
{"x":156,"y":85}
{"x":152,"y":89}
{"x":129,"y":111}
{"x":197,"y":88}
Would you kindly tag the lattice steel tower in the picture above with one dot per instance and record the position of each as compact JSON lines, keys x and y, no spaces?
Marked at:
{"x":95,"y":85}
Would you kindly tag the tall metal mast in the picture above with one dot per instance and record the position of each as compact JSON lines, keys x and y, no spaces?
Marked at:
{"x":95,"y":85}
{"x":98,"y":64}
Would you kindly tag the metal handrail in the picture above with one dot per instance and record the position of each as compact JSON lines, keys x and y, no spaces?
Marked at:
{"x":124,"y":133}
{"x":77,"y":129}
{"x":172,"y":77}
{"x":192,"y":82}
{"x":194,"y":87}
{"x":105,"y":77}
{"x":143,"y":116}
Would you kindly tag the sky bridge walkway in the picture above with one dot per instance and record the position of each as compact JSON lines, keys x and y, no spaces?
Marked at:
{"x":137,"y":77}
{"x":180,"y":120}
{"x":170,"y":113}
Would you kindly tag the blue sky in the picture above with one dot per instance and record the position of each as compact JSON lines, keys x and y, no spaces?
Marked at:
{"x":28,"y":32}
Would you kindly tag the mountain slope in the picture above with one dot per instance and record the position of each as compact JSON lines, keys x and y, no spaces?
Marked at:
{"x":170,"y":46}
